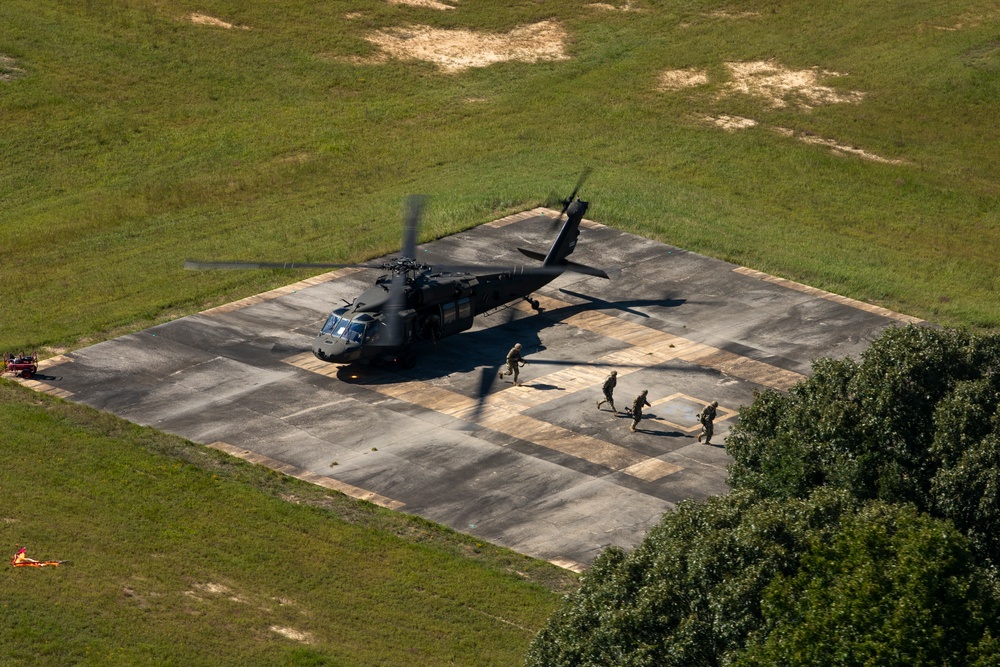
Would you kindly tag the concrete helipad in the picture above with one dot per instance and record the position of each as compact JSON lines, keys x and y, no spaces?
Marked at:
{"x":537,"y":468}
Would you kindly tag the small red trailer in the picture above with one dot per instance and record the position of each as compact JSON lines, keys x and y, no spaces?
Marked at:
{"x":20,"y":364}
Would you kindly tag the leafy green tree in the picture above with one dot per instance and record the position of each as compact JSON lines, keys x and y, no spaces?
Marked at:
{"x":690,"y":593}
{"x":916,"y":420}
{"x":740,"y":580}
{"x":893,"y":587}
{"x":863,"y":529}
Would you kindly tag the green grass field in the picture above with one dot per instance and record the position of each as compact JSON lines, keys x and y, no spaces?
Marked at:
{"x":134,"y":138}
{"x":181,"y":555}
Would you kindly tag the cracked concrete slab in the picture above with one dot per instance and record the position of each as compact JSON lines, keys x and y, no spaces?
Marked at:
{"x":536,"y":468}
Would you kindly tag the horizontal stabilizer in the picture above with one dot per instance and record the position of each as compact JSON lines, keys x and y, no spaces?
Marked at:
{"x":567,"y":265}
{"x":532,"y":254}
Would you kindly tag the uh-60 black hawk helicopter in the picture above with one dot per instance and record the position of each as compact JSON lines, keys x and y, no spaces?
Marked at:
{"x":415,"y":302}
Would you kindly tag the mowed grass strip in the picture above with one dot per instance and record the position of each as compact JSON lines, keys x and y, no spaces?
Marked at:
{"x":182,"y":555}
{"x":135,"y":137}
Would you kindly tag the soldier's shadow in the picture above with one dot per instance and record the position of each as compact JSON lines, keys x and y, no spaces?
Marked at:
{"x":646,"y":428}
{"x":662,"y":434}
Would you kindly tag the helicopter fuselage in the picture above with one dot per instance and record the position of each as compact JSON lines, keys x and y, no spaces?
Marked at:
{"x":437,"y":305}
{"x":414,"y":303}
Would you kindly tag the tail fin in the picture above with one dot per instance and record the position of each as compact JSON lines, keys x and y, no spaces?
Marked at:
{"x":565,"y":243}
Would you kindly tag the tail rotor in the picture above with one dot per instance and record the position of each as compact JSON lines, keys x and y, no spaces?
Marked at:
{"x":584,"y":175}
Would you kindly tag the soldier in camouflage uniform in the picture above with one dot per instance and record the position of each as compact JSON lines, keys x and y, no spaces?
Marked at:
{"x":609,"y":389}
{"x":637,"y":406}
{"x":514,"y":362}
{"x":707,"y":417}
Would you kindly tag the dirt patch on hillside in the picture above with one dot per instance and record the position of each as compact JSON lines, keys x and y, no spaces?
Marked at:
{"x":675,"y":79}
{"x":604,"y":6}
{"x":293,"y":634}
{"x":730,"y":123}
{"x":458,"y":49}
{"x":9,"y":69}
{"x":726,"y":14}
{"x":781,"y":86}
{"x":968,"y":21}
{"x":835,"y":147}
{"x":427,"y":4}
{"x":204,"y":19}
{"x":736,"y":123}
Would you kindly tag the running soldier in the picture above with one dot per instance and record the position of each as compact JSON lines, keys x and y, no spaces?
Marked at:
{"x":707,"y":417}
{"x":609,"y":389}
{"x":514,"y":362}
{"x":637,"y":406}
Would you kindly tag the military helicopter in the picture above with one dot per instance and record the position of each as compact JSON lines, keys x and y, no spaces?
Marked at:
{"x":414,"y":302}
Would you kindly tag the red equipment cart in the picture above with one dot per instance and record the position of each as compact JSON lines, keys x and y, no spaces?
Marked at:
{"x":20,"y":364}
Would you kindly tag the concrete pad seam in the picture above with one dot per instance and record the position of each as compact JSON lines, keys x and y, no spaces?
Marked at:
{"x":306,"y":475}
{"x":831,"y":296}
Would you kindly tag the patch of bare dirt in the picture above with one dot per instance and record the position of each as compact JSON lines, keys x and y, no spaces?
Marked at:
{"x":459,"y":49}
{"x":676,"y":79}
{"x":968,"y":21}
{"x":736,"y":123}
{"x":781,"y":86}
{"x":731,"y":123}
{"x":427,"y":4}
{"x":840,"y":149}
{"x":9,"y":69}
{"x":606,"y":7}
{"x":204,"y":19}
{"x":725,"y":14}
{"x":291,"y":633}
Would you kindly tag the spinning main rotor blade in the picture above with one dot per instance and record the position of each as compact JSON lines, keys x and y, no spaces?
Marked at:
{"x":197,"y":265}
{"x":584,"y":175}
{"x":392,"y":310}
{"x":414,"y":209}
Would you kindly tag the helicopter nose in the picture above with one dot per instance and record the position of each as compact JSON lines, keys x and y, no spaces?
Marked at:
{"x":327,"y":348}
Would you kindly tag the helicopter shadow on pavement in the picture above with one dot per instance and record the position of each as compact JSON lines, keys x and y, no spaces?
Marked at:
{"x":485,"y":349}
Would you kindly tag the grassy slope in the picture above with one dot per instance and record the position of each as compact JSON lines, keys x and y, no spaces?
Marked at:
{"x":181,"y":555}
{"x":137,"y":139}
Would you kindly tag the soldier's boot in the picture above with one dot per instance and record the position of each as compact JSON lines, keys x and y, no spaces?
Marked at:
{"x":699,"y":436}
{"x":631,"y":427}
{"x":599,"y":404}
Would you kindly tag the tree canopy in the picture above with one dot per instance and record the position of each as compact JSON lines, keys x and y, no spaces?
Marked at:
{"x":916,"y":420}
{"x":863,"y":528}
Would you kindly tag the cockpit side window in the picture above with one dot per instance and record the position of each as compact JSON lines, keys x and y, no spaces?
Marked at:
{"x":374,"y":332}
{"x":356,"y":332}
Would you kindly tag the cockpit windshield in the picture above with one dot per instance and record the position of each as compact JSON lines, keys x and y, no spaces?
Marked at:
{"x":331,"y":324}
{"x":343,"y":327}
